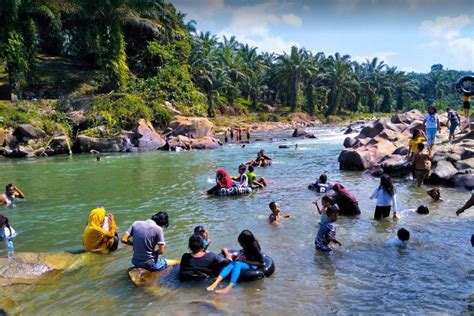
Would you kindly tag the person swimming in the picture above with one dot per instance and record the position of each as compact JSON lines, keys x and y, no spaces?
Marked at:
{"x":435,"y":194}
{"x":401,"y":240}
{"x":12,"y":193}
{"x":276,"y":215}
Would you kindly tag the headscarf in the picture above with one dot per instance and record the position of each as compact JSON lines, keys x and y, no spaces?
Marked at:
{"x":97,"y":239}
{"x":344,"y":193}
{"x":226,"y":182}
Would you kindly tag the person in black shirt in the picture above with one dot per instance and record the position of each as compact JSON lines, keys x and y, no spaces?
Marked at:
{"x":200,"y":264}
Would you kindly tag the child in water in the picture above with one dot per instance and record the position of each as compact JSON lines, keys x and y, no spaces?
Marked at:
{"x":386,"y":198}
{"x":275,"y":216}
{"x":202,"y":231}
{"x":400,"y":241}
{"x":327,"y":231}
{"x":6,"y":231}
{"x":325,"y":204}
{"x":250,"y":257}
{"x":435,"y":194}
{"x":422,"y":164}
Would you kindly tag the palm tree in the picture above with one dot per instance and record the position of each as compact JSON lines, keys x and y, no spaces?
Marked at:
{"x":338,"y":77}
{"x":232,"y":63}
{"x":290,"y":70}
{"x":371,"y":81}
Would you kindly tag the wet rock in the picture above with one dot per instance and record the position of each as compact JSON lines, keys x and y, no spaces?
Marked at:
{"x":184,"y":142}
{"x":60,"y":144}
{"x":146,"y":138}
{"x":407,"y":117}
{"x":396,"y":166}
{"x":464,"y":179}
{"x":365,"y":157}
{"x":465,"y":164}
{"x":28,"y":267}
{"x":193,"y":127}
{"x":442,"y":172}
{"x":29,"y":131}
{"x":402,"y":150}
{"x":87,"y":143}
{"x":373,"y":129}
{"x":349,"y":130}
{"x":350,"y":142}
{"x":300,"y":132}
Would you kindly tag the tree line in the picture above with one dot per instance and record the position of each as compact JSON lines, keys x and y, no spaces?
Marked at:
{"x":147,"y":47}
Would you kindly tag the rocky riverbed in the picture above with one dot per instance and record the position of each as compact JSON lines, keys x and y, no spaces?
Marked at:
{"x":381,"y":146}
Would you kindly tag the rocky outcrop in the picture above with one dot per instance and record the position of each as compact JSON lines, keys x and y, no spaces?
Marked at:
{"x":382,"y":147}
{"x":187,"y":143}
{"x":300,"y":132}
{"x":193,"y":127}
{"x":87,"y":144}
{"x":29,"y":131}
{"x":145,"y":137}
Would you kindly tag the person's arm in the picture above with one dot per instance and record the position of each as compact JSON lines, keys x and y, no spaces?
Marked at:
{"x":226,"y":254}
{"x":468,"y":204}
{"x":374,"y":195}
{"x":272,"y":219}
{"x":334,"y":240}
{"x":161,"y":249}
{"x":315,"y":202}
{"x":394,"y":205}
{"x":126,"y":239}
{"x":286,"y":216}
{"x":18,"y":193}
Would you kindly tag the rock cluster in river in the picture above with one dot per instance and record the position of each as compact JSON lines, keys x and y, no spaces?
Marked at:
{"x":28,"y":141}
{"x":382,"y":147}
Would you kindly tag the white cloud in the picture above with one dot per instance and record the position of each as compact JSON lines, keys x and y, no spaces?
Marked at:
{"x":292,"y":20}
{"x":343,"y":6}
{"x":445,"y":26}
{"x":445,"y":34}
{"x":252,"y":24}
{"x":382,"y":56}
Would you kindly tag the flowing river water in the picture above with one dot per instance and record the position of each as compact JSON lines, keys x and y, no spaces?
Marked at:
{"x":434,"y":274}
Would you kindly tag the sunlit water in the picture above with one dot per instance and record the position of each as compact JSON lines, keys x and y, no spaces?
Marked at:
{"x":434,"y":274}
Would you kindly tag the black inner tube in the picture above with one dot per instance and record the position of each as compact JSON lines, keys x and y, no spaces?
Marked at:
{"x":460,"y":86}
{"x":256,"y":274}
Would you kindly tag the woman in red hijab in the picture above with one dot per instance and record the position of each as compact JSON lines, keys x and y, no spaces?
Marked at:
{"x":223,"y":181}
{"x":345,"y":200}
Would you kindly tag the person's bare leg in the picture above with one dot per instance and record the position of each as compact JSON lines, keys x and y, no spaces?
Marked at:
{"x":226,"y":289}
{"x":213,"y":286}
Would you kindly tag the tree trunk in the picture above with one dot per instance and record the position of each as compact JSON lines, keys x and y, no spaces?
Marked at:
{"x":310,"y":99}
{"x":210,"y":106}
{"x":294,"y":100}
{"x":371,"y":103}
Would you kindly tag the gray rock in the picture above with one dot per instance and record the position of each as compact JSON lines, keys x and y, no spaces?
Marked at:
{"x":146,"y":138}
{"x":87,"y":143}
{"x":350,"y":142}
{"x":443,"y":170}
{"x":465,"y":164}
{"x":29,"y":131}
{"x":402,"y":150}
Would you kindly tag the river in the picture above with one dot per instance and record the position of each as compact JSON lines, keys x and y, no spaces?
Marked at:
{"x":434,"y":274}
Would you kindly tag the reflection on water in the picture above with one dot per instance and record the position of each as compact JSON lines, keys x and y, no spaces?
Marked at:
{"x":364,"y":275}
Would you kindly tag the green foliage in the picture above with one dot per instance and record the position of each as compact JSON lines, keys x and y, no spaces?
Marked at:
{"x":268,"y":117}
{"x":161,"y":115}
{"x":118,"y":111}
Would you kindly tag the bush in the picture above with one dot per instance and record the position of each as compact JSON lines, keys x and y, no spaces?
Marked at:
{"x":118,"y":112}
{"x":161,"y":115}
{"x":268,"y":117}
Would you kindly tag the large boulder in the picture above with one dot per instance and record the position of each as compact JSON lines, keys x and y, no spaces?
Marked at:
{"x":365,"y":157}
{"x":29,"y":131}
{"x":373,"y":129}
{"x":350,"y":142}
{"x":465,"y":164}
{"x":60,"y":144}
{"x":407,"y":117}
{"x":396,"y":166}
{"x":87,"y":144}
{"x":414,"y":125}
{"x":443,"y":172}
{"x":184,"y":142}
{"x":193,"y":127}
{"x":300,"y":132}
{"x":146,"y":138}
{"x":402,"y":150}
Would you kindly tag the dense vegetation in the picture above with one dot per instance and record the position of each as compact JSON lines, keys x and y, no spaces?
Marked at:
{"x":145,"y":48}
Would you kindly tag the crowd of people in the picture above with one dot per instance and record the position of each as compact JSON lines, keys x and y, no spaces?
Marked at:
{"x":148,"y":240}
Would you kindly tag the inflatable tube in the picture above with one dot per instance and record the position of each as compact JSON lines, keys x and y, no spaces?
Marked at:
{"x":234,"y":191}
{"x":460,"y":86}
{"x":256,"y":274}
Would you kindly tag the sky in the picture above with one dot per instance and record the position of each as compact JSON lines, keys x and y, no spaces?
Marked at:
{"x":409,"y":34}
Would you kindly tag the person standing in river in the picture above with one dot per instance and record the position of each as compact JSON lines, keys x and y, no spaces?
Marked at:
{"x":422,"y":164}
{"x":231,"y":134}
{"x":432,"y":126}
{"x":12,"y":192}
{"x":145,"y":236}
{"x":226,"y":139}
{"x":386,"y":198}
{"x":248,"y":134}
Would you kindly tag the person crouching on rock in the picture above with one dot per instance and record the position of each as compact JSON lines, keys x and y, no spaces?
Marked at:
{"x":100,"y":234}
{"x":145,"y":237}
{"x":223,"y":181}
{"x":11,"y":193}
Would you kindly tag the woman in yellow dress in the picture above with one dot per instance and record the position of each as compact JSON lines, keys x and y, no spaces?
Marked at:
{"x":100,"y":234}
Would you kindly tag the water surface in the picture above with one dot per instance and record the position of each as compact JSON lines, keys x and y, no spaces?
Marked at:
{"x":434,"y":274}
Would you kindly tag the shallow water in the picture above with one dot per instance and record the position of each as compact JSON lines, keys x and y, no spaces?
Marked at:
{"x":434,"y":274}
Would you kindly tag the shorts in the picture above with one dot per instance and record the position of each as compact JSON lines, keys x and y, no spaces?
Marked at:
{"x":421,"y":174}
{"x":322,"y":246}
{"x":431,"y":136}
{"x":452,"y":127}
{"x":466,"y":105}
{"x":159,"y":265}
{"x":382,"y":211}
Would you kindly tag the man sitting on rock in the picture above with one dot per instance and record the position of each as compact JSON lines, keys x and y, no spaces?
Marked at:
{"x":145,"y":236}
{"x":11,"y":193}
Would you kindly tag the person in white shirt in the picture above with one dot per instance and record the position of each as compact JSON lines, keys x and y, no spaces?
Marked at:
{"x":400,"y":241}
{"x":6,"y":231}
{"x":432,"y":126}
{"x":386,"y":198}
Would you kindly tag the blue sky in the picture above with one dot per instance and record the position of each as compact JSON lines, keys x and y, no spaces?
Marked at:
{"x":409,"y":34}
